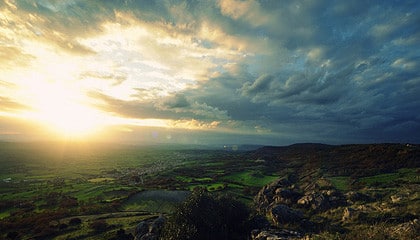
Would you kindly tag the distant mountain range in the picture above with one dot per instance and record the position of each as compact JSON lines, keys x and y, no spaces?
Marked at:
{"x":351,"y":159}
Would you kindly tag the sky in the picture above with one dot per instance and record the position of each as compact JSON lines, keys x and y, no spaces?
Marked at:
{"x":207,"y":72}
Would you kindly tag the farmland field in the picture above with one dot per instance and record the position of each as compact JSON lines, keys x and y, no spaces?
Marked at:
{"x":97,"y":191}
{"x":85,"y":181}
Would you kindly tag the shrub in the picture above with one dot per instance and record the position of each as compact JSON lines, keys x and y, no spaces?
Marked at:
{"x":75,"y":221}
{"x":204,"y":216}
{"x":99,"y":225}
{"x":63,"y":226}
{"x":12,"y":235}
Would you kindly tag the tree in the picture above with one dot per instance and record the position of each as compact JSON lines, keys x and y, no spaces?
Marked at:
{"x":75,"y":221}
{"x":99,"y":225}
{"x":205,"y":216}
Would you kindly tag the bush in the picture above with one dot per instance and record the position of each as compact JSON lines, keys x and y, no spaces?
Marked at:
{"x":99,"y":225}
{"x":75,"y":221}
{"x":12,"y":235}
{"x":203,"y":216}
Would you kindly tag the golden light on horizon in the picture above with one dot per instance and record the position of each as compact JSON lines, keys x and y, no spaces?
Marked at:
{"x":64,"y":110}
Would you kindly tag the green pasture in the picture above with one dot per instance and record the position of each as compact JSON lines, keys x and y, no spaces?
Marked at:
{"x":380,"y":178}
{"x":211,"y":187}
{"x":409,"y":174}
{"x":115,"y":222}
{"x":250,"y":178}
{"x":340,"y":183}
{"x":187,"y":179}
{"x":155,"y":201}
{"x":404,"y":174}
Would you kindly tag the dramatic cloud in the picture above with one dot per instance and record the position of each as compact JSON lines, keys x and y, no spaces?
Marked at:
{"x":267,"y":71}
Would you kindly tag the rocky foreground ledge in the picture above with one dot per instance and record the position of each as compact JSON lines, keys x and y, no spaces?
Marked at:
{"x":332,"y":192}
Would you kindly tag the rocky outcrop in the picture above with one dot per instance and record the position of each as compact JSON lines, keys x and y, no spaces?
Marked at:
{"x":411,"y":228}
{"x":286,"y":196}
{"x":279,"y":192}
{"x":353,"y":197}
{"x":275,"y":234}
{"x":322,"y":200}
{"x":349,"y":214}
{"x":149,"y":229}
{"x":283,"y":191}
{"x":281,"y":214}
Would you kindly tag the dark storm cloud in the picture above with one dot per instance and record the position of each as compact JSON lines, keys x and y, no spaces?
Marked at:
{"x":176,"y":101}
{"x":350,"y":72}
{"x":351,"y":66}
{"x":171,"y":107}
{"x":330,"y":71}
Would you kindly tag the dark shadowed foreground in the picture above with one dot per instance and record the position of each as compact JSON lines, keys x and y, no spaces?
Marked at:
{"x":302,"y":191}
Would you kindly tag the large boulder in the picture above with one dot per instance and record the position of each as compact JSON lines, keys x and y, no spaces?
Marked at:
{"x":281,"y":214}
{"x":280,"y":191}
{"x":349,"y":214}
{"x":407,"y":230}
{"x":150,"y":229}
{"x":286,"y":196}
{"x":322,"y":200}
{"x":156,"y":226}
{"x":149,"y":236}
{"x":275,"y":234}
{"x":141,"y":228}
{"x":315,"y":200}
{"x":353,"y":197}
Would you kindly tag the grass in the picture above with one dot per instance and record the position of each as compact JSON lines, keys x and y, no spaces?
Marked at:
{"x":88,"y":191}
{"x":83,"y":231}
{"x":409,"y":174}
{"x":211,"y":187}
{"x":101,"y":179}
{"x":380,"y":178}
{"x":154,"y":201}
{"x":153,"y":206}
{"x":405,"y":174}
{"x":250,"y":178}
{"x":6,"y":213}
{"x":192,"y":179}
{"x":340,"y":183}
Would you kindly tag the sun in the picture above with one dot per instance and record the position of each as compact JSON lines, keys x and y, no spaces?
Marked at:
{"x":71,"y":120}
{"x":65,"y":112}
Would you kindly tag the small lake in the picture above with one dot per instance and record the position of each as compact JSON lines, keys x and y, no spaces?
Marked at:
{"x":161,"y":201}
{"x":162,"y":195}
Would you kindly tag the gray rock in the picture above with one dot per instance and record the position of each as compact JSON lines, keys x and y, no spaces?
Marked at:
{"x":353,"y":197}
{"x":396,"y":198}
{"x":349,"y":214}
{"x":149,"y":236}
{"x":279,"y":192}
{"x":411,"y":228}
{"x":281,"y":214}
{"x":149,"y":230}
{"x":314,"y":200}
{"x":274,"y":234}
{"x":286,"y":196}
{"x":322,"y":201}
{"x":141,"y":229}
{"x":157,"y":225}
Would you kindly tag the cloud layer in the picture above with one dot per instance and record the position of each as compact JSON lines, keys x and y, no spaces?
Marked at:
{"x":271,"y":72}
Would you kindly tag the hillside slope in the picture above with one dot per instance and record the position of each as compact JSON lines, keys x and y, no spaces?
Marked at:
{"x":341,"y":192}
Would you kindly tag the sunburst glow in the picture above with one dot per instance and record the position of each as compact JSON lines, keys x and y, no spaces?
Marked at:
{"x":203,"y":70}
{"x":64,"y":110}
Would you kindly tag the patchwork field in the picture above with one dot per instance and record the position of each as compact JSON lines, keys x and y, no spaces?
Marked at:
{"x":86,"y":181}
{"x":72,"y":191}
